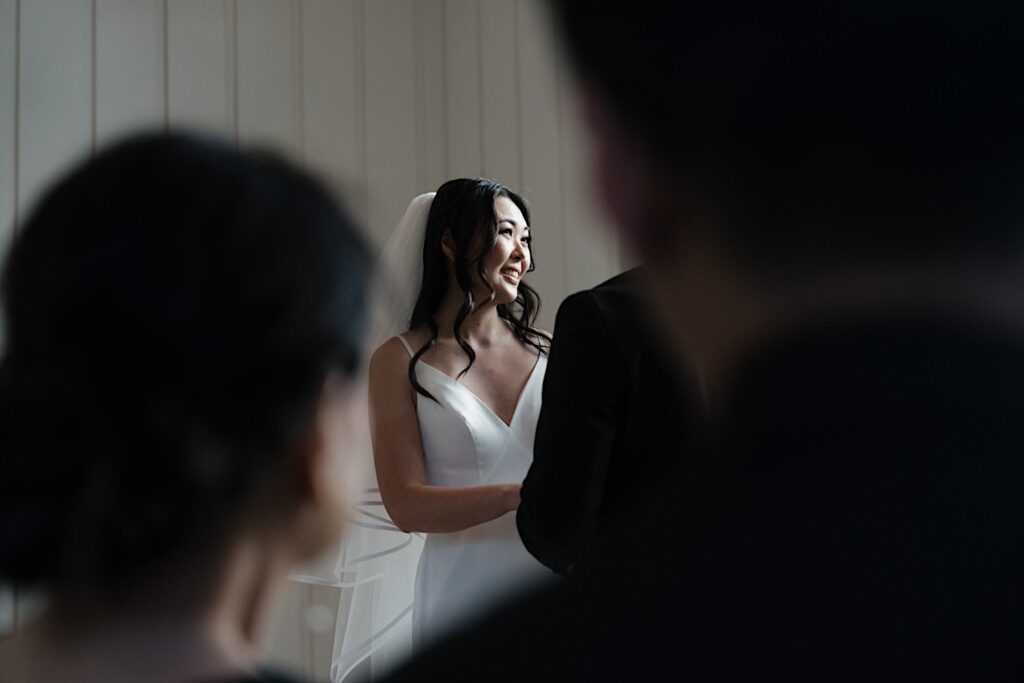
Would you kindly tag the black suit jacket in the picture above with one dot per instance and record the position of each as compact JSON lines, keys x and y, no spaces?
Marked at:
{"x":613,"y":417}
{"x":858,"y":514}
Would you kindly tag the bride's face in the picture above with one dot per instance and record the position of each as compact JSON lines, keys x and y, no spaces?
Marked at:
{"x":509,"y":258}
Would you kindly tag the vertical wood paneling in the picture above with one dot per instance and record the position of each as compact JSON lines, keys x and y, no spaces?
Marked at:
{"x":200,"y":68}
{"x":462,"y":88}
{"x":268,"y":84}
{"x":8,"y":119}
{"x":390,"y":113}
{"x":499,"y":101}
{"x":129,"y":66}
{"x":332,"y":97}
{"x":540,"y":145}
{"x":590,"y":252}
{"x":431,"y":94}
{"x":55,"y":114}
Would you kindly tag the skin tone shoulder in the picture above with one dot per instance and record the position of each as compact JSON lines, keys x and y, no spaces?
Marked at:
{"x":498,"y":376}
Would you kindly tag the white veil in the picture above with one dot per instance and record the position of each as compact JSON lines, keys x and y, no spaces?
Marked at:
{"x":376,"y":568}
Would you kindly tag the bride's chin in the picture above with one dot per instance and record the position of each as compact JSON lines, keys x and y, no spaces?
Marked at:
{"x":506,"y":295}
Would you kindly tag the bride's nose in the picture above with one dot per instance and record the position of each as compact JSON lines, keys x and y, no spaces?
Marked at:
{"x":518,"y":252}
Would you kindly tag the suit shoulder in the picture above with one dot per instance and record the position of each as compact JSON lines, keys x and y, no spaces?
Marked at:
{"x":627,"y":279}
{"x":620,"y":292}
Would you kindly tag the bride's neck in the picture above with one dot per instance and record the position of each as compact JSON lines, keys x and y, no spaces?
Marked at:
{"x":482,"y":325}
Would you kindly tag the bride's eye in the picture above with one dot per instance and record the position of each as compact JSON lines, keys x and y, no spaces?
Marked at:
{"x":506,"y":231}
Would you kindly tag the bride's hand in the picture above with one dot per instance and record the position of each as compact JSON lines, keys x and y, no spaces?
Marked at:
{"x":510,"y":496}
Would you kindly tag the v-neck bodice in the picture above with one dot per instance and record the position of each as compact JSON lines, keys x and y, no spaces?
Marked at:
{"x":519,"y":399}
{"x":465,"y":443}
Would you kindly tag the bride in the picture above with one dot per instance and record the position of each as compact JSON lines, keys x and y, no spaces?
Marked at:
{"x":454,"y":402}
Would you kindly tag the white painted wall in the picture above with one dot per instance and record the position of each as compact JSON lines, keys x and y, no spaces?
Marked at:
{"x":384,"y":98}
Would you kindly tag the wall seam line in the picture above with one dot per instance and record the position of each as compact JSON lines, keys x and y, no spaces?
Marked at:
{"x":299,"y":58}
{"x":358,"y":28}
{"x":519,"y":95}
{"x":167,"y":65}
{"x":233,"y":30}
{"x":480,"y":83}
{"x":444,"y":89}
{"x":419,"y":101}
{"x":93,"y":91}
{"x":17,"y":131}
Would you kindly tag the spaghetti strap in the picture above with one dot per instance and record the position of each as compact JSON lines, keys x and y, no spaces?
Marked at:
{"x":406,"y":345}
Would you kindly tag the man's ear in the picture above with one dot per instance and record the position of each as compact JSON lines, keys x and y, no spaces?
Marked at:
{"x":632,"y":191}
{"x":448,"y":244}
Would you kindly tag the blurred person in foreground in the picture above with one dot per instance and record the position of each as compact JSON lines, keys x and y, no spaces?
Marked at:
{"x":184,"y":324}
{"x":829,"y":200}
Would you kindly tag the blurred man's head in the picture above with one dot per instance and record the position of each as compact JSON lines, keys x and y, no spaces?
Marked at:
{"x":802,"y":142}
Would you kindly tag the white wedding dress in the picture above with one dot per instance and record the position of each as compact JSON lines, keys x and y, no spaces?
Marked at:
{"x":465,"y":443}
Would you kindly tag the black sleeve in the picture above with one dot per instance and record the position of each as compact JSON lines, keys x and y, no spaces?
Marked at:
{"x":561,"y":496}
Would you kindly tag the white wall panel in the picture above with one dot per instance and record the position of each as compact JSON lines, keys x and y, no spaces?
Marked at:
{"x":332,"y":98}
{"x":589,"y":255}
{"x":462,"y":87}
{"x":390,"y":112}
{"x":499,"y":92}
{"x":130,"y":66}
{"x":55,"y":101}
{"x":431,"y":94}
{"x":540,"y":152}
{"x":269,"y":75}
{"x":201,"y":87}
{"x":8,"y":119}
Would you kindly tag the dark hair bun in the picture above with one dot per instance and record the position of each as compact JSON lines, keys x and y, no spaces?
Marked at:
{"x":172,"y":309}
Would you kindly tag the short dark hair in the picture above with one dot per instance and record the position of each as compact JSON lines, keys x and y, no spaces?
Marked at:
{"x":173,"y":309}
{"x":880,"y":129}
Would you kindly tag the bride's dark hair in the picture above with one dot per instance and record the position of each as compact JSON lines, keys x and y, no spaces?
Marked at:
{"x":466,"y":208}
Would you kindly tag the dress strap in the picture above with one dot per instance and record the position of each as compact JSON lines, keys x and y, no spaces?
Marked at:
{"x":406,"y":345}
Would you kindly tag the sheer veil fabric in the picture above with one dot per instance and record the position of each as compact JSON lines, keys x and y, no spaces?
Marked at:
{"x":375,"y":568}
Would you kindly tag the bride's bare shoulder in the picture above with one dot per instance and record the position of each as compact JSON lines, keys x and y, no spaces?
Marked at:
{"x":393,"y":351}
{"x":418,"y":336}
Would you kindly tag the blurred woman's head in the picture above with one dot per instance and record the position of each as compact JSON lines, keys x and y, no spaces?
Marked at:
{"x":182,"y":321}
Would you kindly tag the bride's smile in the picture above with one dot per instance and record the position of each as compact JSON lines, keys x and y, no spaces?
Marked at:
{"x":510,"y":257}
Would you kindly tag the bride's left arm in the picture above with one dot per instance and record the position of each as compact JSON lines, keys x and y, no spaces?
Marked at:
{"x":412,"y":503}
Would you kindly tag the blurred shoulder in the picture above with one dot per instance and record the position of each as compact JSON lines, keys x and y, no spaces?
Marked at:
{"x":622,"y":287}
{"x":391,"y":357}
{"x":388,"y":353}
{"x":619,"y":293}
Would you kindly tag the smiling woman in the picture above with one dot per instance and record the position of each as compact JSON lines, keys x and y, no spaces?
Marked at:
{"x":454,"y":401}
{"x":477,"y":248}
